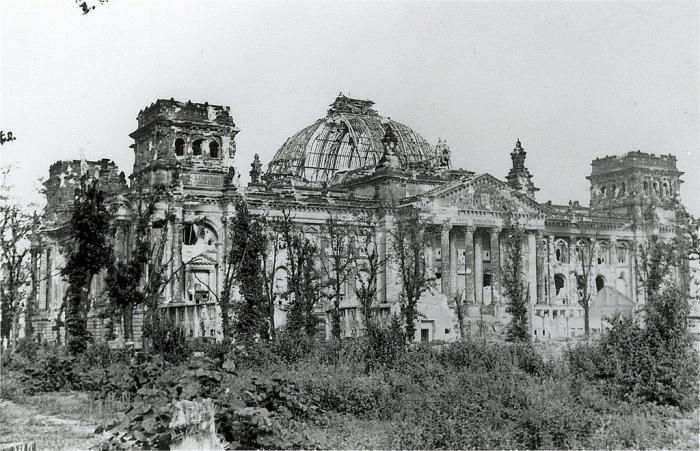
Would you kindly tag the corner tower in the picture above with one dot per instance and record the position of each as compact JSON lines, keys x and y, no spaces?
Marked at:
{"x":519,"y":178}
{"x":184,"y":142}
{"x":642,"y":185}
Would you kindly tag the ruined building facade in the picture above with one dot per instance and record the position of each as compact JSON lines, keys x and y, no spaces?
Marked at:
{"x":353,"y":163}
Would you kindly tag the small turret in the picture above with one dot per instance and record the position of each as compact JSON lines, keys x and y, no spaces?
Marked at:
{"x":519,"y":178}
{"x":256,"y":169}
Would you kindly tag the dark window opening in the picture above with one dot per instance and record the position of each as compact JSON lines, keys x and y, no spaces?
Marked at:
{"x":599,"y":283}
{"x":189,"y":235}
{"x":425,"y":335}
{"x":558,"y":254}
{"x":214,"y":149}
{"x":623,"y":189}
{"x":646,"y":188}
{"x":197,"y":147}
{"x":447,"y":331}
{"x":179,"y":147}
{"x":558,"y":283}
{"x":487,"y":280}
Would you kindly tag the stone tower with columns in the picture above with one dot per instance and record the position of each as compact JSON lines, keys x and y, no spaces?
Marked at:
{"x":638,"y":184}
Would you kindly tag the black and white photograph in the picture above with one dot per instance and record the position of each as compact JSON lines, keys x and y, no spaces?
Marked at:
{"x":349,"y":225}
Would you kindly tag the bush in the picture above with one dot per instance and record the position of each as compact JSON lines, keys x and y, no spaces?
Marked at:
{"x":102,"y":356}
{"x":494,"y":357}
{"x":168,"y":340}
{"x":640,"y":363}
{"x":344,"y":392}
{"x":487,"y":410}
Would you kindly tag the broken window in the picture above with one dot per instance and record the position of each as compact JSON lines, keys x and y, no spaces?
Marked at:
{"x":214,"y":149}
{"x":599,"y":283}
{"x":197,"y":147}
{"x":559,"y":282}
{"x":189,"y":235}
{"x":179,"y":147}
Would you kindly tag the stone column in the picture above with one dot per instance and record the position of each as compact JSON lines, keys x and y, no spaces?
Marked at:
{"x":469,"y":264}
{"x":478,"y":269}
{"x":453,"y":264}
{"x":177,"y":262}
{"x":496,"y":261}
{"x":381,"y":276}
{"x":550,"y":269}
{"x":612,"y":253}
{"x":539,"y":236}
{"x":445,"y":258}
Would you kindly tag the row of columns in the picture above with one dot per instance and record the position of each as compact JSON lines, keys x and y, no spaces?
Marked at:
{"x":473,"y":261}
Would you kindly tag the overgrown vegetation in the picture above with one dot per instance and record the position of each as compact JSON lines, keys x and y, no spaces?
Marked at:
{"x":87,"y":252}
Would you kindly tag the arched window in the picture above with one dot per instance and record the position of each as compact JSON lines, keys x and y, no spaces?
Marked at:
{"x":197,"y":147}
{"x":189,"y":235}
{"x":614,"y":192}
{"x":646,"y":187}
{"x":214,"y":149}
{"x":599,"y":283}
{"x":656,"y":187}
{"x":602,"y":190}
{"x":621,"y":254}
{"x":179,"y":147}
{"x":623,"y":188}
{"x":601,"y":254}
{"x":561,"y":251}
{"x":665,"y":191}
{"x":559,"y":282}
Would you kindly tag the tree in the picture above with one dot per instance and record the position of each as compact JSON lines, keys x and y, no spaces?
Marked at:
{"x":246,"y":266}
{"x":514,"y":285}
{"x":408,"y":252}
{"x":460,"y":306}
{"x":16,"y":227}
{"x":271,"y":255}
{"x":337,"y":257}
{"x":585,"y":252}
{"x":87,"y":251}
{"x":368,"y":264}
{"x":304,"y":281}
{"x":140,"y":278}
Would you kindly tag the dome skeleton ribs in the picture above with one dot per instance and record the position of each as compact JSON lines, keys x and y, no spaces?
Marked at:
{"x":349,"y":137}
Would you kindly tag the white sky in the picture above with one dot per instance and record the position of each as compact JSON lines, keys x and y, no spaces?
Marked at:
{"x":573,"y":81}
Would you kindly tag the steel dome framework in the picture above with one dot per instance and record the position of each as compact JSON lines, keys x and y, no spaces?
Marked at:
{"x":349,"y":137}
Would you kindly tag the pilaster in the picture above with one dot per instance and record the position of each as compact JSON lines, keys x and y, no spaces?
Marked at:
{"x":539,"y":236}
{"x":550,"y":269}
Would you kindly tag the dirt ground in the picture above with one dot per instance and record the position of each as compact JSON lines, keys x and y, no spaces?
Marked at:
{"x":54,"y":421}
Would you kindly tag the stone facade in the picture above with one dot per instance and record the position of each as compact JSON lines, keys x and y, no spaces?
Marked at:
{"x":353,"y":163}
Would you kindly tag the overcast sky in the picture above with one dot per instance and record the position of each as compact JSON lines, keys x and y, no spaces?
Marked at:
{"x":573,"y":81}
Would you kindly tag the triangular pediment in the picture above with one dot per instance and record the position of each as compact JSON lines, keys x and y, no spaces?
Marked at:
{"x":482,"y":192}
